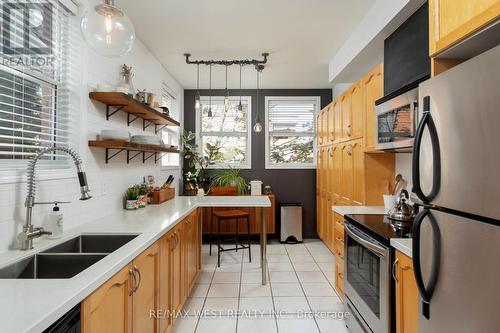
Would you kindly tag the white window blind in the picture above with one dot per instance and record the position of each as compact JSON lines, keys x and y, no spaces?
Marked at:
{"x":290,"y":131}
{"x":171,"y":134}
{"x":39,"y":93}
{"x":226,"y":135}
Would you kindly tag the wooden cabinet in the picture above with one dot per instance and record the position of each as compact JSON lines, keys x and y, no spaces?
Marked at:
{"x":190,"y":235}
{"x":452,"y":21}
{"x":373,"y":86}
{"x":146,"y":297}
{"x":357,"y":110}
{"x":358,"y":172}
{"x":339,"y":276}
{"x":337,"y":120}
{"x":112,"y":300}
{"x":331,"y":122}
{"x":406,"y":295}
{"x":177,"y":292}
{"x":345,"y":111}
{"x":137,"y":298}
{"x":346,"y":185}
{"x":336,"y":173}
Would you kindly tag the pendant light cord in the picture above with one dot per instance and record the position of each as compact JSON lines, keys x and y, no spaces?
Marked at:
{"x":258,"y":90}
{"x":240,"y":82}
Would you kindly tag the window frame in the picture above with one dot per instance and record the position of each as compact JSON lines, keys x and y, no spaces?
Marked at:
{"x":165,"y":89}
{"x":268,"y":164}
{"x":248,"y":160}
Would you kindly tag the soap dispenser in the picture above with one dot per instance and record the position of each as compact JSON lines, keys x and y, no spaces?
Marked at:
{"x":55,"y":223}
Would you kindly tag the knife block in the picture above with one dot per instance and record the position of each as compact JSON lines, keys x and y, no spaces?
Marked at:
{"x":162,"y":195}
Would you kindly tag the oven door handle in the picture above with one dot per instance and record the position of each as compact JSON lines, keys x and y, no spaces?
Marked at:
{"x":377,"y":249}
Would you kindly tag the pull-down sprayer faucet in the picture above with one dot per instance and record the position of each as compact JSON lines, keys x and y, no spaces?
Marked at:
{"x":30,"y":232}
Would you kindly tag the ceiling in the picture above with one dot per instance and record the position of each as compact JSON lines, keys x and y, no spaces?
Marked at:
{"x":301,"y":36}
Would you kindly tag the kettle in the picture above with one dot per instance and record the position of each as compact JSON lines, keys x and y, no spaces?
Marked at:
{"x":402,"y":211}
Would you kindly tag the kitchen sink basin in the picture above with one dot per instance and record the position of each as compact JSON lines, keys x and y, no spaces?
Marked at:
{"x":92,"y":244}
{"x":67,"y":259}
{"x":50,"y":266}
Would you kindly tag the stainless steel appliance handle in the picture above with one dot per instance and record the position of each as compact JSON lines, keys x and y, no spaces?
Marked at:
{"x":377,"y":249}
{"x":394,"y":270}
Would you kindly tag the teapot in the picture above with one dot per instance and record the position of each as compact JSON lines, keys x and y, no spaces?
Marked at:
{"x":402,"y":211}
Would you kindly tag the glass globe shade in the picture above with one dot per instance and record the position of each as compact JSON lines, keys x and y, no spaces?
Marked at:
{"x":108,"y":31}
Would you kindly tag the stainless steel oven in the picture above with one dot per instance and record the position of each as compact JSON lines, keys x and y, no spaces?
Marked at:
{"x":367,"y":282}
{"x":396,"y":121}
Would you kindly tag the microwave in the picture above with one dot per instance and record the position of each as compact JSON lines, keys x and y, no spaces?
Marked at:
{"x":396,"y":121}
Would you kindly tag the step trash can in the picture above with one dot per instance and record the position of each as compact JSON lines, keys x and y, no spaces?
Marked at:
{"x":291,"y":222}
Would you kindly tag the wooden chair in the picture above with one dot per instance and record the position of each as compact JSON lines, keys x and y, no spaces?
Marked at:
{"x":228,"y":215}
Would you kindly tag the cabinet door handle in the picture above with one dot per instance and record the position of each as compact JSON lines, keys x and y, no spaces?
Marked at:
{"x":132,"y":274}
{"x":341,"y":275}
{"x":394,"y":264}
{"x":172,"y":242}
{"x":140,"y":278}
{"x":348,"y":130}
{"x":152,"y":254}
{"x":349,"y":150}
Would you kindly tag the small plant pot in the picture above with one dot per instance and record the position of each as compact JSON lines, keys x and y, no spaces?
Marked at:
{"x":142,"y":201}
{"x":131,"y":204}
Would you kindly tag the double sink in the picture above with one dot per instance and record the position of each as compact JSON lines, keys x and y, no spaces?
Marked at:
{"x":67,"y":259}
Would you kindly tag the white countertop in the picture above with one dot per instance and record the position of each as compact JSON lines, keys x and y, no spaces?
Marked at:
{"x":345,"y":210}
{"x":29,"y":305}
{"x":403,"y":245}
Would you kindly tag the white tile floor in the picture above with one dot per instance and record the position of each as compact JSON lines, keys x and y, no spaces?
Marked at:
{"x":298,"y":298}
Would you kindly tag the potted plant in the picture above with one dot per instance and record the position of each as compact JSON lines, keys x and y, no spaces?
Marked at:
{"x":143,"y":195}
{"x":195,"y":163}
{"x":131,"y":196}
{"x":231,"y":177}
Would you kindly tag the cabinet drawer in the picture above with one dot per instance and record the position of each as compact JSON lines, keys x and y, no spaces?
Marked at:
{"x":338,"y":218}
{"x":339,"y":276}
{"x":339,"y":231}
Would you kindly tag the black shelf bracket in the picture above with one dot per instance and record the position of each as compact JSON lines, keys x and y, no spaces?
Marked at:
{"x":144,"y":158}
{"x":131,"y":117}
{"x":109,"y":157}
{"x":129,"y":158}
{"x":159,"y":158}
{"x":110,"y":112}
{"x":146,"y":123}
{"x":158,"y":128}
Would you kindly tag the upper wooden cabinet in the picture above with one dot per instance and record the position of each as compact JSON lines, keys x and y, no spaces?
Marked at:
{"x":357,"y":111}
{"x":331,"y":122}
{"x":337,"y":120}
{"x":406,"y":295}
{"x":373,"y":87}
{"x":452,"y":21}
{"x":345,"y":111}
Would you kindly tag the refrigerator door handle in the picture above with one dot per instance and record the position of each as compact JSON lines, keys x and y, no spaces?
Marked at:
{"x":428,"y":122}
{"x":426,"y":291}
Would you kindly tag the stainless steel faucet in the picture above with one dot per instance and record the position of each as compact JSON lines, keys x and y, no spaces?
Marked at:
{"x":30,"y":232}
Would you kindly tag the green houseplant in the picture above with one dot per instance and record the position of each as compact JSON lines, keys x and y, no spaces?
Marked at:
{"x":231,"y":177}
{"x":131,"y":196}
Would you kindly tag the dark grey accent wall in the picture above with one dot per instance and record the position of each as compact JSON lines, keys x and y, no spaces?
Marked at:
{"x":289,"y":185}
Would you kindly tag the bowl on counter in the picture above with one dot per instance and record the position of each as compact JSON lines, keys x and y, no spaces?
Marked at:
{"x":115,"y":135}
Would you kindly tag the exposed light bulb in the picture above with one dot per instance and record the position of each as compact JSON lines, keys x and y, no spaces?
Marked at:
{"x":257,"y":128}
{"x":108,"y":21}
{"x":210,"y":112}
{"x":240,"y":106}
{"x":226,"y":99}
{"x":197,"y":102}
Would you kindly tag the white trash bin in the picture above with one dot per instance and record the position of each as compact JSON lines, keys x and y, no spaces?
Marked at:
{"x":291,"y":223}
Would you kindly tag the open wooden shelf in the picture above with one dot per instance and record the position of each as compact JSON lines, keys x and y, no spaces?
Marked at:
{"x":152,"y":150}
{"x":117,"y":101}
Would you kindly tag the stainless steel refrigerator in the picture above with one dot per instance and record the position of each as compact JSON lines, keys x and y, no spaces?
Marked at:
{"x":456,"y":177}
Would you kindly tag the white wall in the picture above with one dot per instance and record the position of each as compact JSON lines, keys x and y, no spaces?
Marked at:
{"x":106,"y":181}
{"x":403,"y":166}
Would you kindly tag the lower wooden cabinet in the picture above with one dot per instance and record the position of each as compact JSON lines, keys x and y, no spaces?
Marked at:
{"x":144,"y":294}
{"x":406,"y":295}
{"x":112,"y":300}
{"x":339,"y":276}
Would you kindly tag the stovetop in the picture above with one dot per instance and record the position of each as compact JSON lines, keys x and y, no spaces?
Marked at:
{"x":379,"y":227}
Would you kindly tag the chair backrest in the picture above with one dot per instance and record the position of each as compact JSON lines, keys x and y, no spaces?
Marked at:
{"x":223,"y":190}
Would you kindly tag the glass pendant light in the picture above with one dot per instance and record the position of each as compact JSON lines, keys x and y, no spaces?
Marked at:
{"x":257,"y":128}
{"x":197,"y":98}
{"x":108,"y":30}
{"x":210,"y":93}
{"x":240,"y":106}
{"x":226,"y":97}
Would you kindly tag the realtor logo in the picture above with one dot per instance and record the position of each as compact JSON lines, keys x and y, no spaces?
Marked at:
{"x":26,"y":28}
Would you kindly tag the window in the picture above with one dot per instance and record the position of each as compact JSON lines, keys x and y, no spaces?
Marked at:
{"x":37,"y":87}
{"x":170,"y":134}
{"x":226,"y":135}
{"x":290,"y":132}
